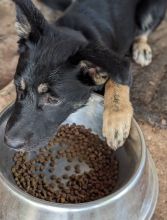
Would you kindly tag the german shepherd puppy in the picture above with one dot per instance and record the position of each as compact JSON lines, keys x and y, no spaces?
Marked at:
{"x":61,"y":63}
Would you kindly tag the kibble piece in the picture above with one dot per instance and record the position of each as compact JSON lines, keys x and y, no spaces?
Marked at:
{"x":51,"y":170}
{"x":77,"y":168}
{"x":41,"y":175}
{"x":65,"y":176}
{"x":53,"y":177}
{"x":52,"y":164}
{"x":61,"y":185}
{"x":58,"y":180}
{"x":62,"y":199}
{"x":69,"y":159}
{"x":67,"y":168}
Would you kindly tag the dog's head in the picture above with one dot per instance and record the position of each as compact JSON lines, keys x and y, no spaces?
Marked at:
{"x":48,"y":82}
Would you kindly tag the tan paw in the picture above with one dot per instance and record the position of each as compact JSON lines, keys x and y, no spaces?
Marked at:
{"x":116,"y":126}
{"x":97,"y":74}
{"x":142,"y":53}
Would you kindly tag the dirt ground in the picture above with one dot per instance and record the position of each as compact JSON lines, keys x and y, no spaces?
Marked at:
{"x":149,"y":93}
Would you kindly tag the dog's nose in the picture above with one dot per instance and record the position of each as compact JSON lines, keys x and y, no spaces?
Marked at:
{"x":13,"y":142}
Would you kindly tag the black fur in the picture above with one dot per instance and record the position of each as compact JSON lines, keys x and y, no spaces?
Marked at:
{"x":98,"y":31}
{"x":61,"y":5}
{"x":155,"y":9}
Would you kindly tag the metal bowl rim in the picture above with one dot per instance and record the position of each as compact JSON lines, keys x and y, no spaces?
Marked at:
{"x":87,"y":205}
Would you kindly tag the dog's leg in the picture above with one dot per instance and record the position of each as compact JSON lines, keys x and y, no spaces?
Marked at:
{"x":142,"y":53}
{"x":117,"y":114}
{"x":149,"y":15}
{"x":118,"y":110}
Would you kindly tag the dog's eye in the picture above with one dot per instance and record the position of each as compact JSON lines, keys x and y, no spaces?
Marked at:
{"x":48,"y":99}
{"x":53,"y":100}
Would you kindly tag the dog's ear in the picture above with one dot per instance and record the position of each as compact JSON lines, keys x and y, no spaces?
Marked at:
{"x":30,"y":23}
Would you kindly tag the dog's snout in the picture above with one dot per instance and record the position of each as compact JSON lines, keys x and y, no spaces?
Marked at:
{"x":14,"y":142}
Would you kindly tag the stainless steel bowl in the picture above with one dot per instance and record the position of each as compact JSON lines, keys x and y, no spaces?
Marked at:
{"x":134,"y":199}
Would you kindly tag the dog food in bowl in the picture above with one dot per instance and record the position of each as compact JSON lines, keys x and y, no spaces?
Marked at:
{"x":75,"y":167}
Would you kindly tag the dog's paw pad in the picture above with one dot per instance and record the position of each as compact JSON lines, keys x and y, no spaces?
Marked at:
{"x":142,"y":53}
{"x":116,"y":127}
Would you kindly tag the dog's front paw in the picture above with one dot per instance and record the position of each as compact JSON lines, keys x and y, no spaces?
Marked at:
{"x":116,"y":126}
{"x":142,"y":53}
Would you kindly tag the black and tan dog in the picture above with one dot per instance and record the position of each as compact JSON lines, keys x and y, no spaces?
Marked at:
{"x":61,"y":63}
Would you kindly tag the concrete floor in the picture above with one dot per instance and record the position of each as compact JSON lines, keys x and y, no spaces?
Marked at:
{"x":149,"y":93}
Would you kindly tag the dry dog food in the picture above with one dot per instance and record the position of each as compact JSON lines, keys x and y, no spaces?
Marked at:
{"x":89,"y":170}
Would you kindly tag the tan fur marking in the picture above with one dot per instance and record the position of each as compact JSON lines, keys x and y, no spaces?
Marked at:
{"x":50,"y":14}
{"x":42,"y":88}
{"x":83,"y":64}
{"x":95,"y":72}
{"x":117,"y":114}
{"x":23,"y":30}
{"x":22,"y":84}
{"x":142,"y":38}
{"x":100,"y":78}
{"x":98,"y":75}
